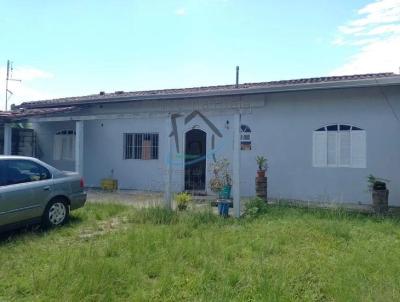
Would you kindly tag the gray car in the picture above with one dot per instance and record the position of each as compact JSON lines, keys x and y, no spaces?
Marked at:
{"x":33,"y":192}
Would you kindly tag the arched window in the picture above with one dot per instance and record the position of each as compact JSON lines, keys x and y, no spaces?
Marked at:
{"x":245,"y":137}
{"x":64,"y":145}
{"x":339,"y":145}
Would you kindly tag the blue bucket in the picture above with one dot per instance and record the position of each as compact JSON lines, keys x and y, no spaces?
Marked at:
{"x":225,"y":192}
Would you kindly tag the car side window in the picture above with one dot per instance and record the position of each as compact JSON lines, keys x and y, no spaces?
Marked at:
{"x":3,"y":180}
{"x":22,"y":171}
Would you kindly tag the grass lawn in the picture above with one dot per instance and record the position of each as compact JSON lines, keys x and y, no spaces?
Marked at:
{"x":111,"y":252}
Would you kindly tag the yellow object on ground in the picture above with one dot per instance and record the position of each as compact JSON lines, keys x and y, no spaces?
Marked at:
{"x":109,"y":184}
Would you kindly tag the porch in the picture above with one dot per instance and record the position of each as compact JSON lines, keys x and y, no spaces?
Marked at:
{"x":75,"y":142}
{"x":24,"y":140}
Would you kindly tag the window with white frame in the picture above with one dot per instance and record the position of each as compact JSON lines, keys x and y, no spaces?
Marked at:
{"x":64,"y":145}
{"x":141,"y":146}
{"x":339,"y":146}
{"x":245,"y":137}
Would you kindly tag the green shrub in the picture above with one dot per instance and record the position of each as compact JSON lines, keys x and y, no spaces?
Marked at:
{"x":255,"y":207}
{"x":182,"y":200}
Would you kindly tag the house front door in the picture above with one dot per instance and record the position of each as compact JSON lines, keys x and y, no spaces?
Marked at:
{"x":195,"y":160}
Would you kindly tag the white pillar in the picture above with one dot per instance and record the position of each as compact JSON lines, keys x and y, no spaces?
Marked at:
{"x":79,"y":147}
{"x":168,"y":164}
{"x":236,"y":165}
{"x":7,"y":139}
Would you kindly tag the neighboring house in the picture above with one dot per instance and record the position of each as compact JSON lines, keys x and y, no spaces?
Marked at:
{"x":322,"y":136}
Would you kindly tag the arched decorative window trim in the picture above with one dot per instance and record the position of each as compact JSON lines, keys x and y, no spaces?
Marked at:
{"x":64,"y":145}
{"x":339,"y":127}
{"x":245,"y":137}
{"x":339,"y":145}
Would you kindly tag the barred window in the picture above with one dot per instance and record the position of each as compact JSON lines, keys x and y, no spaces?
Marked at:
{"x":141,"y":146}
{"x":245,"y":137}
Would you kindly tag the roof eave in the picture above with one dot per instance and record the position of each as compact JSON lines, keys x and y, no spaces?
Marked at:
{"x":387,"y":81}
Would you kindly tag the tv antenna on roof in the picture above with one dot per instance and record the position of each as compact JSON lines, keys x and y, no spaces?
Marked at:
{"x":9,"y":78}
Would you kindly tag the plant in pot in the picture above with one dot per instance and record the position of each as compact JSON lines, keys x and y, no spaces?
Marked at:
{"x":262,"y":165}
{"x":380,"y":193}
{"x":182,"y":200}
{"x":221,"y":183}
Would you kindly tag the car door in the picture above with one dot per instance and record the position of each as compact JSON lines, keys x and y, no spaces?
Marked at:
{"x":3,"y":202}
{"x":26,"y":191}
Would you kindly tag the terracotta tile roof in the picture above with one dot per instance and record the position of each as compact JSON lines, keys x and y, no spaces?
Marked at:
{"x":22,"y":113}
{"x":154,"y":94}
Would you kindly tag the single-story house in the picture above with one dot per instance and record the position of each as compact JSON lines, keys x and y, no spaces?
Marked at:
{"x":322,"y":136}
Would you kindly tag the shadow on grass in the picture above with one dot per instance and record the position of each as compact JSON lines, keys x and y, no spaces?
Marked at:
{"x":11,"y":235}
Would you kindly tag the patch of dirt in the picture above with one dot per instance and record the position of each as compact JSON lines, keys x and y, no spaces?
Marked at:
{"x":104,"y":227}
{"x":129,"y":197}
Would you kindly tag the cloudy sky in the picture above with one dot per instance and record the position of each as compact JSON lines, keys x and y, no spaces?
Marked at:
{"x":77,"y":47}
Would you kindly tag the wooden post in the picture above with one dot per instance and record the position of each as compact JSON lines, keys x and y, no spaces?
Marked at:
{"x":236,"y":165}
{"x":7,"y":139}
{"x":79,"y":147}
{"x":168,"y":159}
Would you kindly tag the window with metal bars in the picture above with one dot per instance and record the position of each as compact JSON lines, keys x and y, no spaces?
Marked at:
{"x":245,"y":137}
{"x":141,"y":146}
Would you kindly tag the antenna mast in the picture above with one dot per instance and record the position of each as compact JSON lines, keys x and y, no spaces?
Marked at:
{"x":9,"y":78}
{"x":237,"y":77}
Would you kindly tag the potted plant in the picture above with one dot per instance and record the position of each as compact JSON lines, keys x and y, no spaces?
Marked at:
{"x":221,"y":183}
{"x":262,"y":165}
{"x":221,"y":180}
{"x":380,"y":193}
{"x":182,"y":200}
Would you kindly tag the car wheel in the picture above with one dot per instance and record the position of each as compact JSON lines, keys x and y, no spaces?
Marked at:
{"x":56,"y":213}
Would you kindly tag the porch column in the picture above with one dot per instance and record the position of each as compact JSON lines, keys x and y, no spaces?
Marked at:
{"x":236,"y":165}
{"x":79,"y":147}
{"x":168,"y":159}
{"x":7,"y":139}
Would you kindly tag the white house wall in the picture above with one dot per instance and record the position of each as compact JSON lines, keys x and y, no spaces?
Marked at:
{"x":283,"y":129}
{"x":104,"y":150}
{"x":45,"y":133}
{"x":282,"y":125}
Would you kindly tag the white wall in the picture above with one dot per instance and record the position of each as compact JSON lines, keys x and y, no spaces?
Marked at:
{"x":281,"y":130}
{"x":45,"y":133}
{"x":104,"y":149}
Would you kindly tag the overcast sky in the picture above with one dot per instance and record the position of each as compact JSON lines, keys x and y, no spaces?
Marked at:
{"x":78,"y":47}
